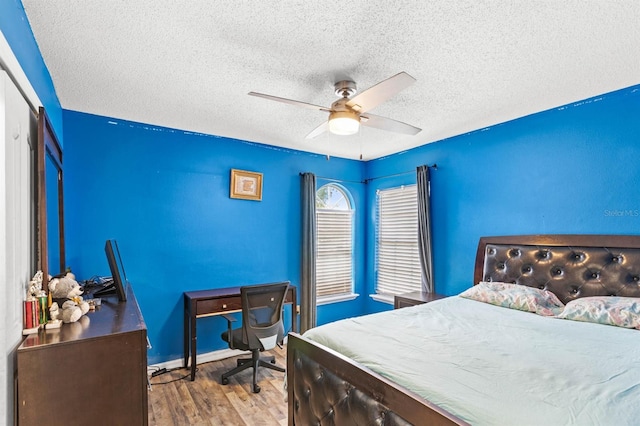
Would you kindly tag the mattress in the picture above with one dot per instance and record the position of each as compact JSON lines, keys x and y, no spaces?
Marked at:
{"x":491,"y":365}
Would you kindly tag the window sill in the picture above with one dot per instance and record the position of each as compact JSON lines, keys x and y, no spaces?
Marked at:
{"x":384,"y":298}
{"x":334,"y":299}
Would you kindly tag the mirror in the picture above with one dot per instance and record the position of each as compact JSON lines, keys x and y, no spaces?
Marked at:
{"x":50,"y":222}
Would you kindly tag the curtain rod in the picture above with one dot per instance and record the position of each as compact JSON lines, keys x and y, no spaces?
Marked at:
{"x":341,"y":180}
{"x":337,"y":180}
{"x":433,"y":166}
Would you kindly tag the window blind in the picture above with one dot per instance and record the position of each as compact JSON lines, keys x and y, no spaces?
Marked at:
{"x":398,"y":262}
{"x":334,"y":252}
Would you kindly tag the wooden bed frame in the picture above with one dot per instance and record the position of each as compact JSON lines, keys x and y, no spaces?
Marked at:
{"x":325,"y":387}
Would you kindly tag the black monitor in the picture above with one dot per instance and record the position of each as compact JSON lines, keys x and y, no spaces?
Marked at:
{"x":117,"y":272}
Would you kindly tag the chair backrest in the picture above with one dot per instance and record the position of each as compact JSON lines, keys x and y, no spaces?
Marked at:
{"x":262,"y":324}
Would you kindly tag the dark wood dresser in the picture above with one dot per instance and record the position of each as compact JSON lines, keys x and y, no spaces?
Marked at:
{"x":91,"y":372}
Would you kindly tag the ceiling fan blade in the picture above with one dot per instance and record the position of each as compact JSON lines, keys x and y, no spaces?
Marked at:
{"x":290,"y":101}
{"x":318,"y":130}
{"x":375,"y":95}
{"x":388,"y":124}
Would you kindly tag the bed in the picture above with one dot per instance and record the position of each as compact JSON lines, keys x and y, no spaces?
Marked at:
{"x":462,"y":361}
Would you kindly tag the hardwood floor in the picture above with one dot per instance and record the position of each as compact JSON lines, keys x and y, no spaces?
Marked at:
{"x":206,"y":402}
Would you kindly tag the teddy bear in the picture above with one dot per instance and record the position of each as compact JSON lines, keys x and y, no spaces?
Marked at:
{"x":68,"y":304}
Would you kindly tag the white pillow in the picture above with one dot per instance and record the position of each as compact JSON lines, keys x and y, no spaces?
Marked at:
{"x":609,"y":310}
{"x":515,"y":296}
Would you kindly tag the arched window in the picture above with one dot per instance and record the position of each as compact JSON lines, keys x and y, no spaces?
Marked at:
{"x":334,"y":258}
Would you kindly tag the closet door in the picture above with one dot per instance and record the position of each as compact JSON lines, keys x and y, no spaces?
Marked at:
{"x":17,"y":207}
{"x":18,"y":136}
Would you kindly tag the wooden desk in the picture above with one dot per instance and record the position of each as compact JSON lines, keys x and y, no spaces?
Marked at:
{"x":205,"y":303}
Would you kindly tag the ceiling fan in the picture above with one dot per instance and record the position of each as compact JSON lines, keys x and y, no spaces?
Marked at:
{"x":346,"y":114}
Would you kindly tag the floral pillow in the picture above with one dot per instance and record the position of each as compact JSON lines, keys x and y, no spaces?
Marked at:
{"x":515,"y":296}
{"x":610,"y":310}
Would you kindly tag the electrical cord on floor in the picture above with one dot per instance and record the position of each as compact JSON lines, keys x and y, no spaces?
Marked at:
{"x":163,"y":371}
{"x":154,"y":370}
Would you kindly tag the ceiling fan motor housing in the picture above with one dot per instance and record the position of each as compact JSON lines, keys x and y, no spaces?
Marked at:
{"x":345,"y":88}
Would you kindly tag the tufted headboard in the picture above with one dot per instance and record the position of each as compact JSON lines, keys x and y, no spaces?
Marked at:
{"x":571,"y":266}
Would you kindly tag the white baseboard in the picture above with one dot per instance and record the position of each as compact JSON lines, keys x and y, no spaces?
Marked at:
{"x":202,"y":358}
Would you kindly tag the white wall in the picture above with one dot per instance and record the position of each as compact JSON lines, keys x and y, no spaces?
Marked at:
{"x":18,"y":131}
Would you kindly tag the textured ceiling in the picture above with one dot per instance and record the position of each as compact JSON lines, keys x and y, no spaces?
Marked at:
{"x":190,"y":64}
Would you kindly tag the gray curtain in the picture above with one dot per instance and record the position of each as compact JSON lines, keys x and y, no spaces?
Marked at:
{"x":424,"y":229}
{"x":308,"y":256}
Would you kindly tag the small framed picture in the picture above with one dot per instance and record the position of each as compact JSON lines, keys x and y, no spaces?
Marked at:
{"x":246,"y":185}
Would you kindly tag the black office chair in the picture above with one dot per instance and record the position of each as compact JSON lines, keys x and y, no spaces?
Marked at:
{"x":262,"y":328}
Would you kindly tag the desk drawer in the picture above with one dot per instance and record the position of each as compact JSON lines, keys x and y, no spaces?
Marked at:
{"x":218,"y":305}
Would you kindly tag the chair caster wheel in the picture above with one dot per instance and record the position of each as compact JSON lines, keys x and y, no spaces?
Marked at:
{"x":224,"y":381}
{"x":256,"y":389}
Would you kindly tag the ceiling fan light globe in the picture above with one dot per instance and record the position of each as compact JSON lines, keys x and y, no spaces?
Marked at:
{"x":344,"y":123}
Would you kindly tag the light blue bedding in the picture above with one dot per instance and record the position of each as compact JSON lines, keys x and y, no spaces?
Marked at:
{"x":491,"y":365}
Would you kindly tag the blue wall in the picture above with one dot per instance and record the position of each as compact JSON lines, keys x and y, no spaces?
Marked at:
{"x":17,"y":31}
{"x":164,"y":196}
{"x":573,"y":169}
